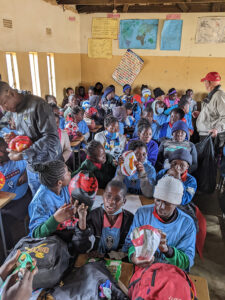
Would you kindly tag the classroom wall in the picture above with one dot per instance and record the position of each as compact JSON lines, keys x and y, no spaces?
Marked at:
{"x":181,"y":69}
{"x":30,"y":19}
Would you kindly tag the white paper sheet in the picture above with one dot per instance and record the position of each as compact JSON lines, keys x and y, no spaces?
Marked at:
{"x":132,"y":204}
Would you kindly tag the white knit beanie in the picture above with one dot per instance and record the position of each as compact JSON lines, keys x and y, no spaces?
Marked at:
{"x":169,"y":189}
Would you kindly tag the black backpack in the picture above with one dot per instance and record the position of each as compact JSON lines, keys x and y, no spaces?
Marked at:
{"x":52,"y":257}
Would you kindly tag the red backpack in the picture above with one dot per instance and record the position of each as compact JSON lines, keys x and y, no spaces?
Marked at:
{"x":161,"y":282}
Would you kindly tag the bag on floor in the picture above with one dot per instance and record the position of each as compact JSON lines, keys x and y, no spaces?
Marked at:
{"x":52,"y":257}
{"x":84,"y":283}
{"x":161,"y":281}
{"x":207,"y":169}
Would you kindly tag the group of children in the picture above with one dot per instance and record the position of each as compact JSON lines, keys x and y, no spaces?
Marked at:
{"x":158,"y":131}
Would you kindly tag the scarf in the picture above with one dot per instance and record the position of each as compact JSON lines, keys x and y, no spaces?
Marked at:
{"x":99,"y":166}
{"x":171,"y":125}
{"x":171,"y":219}
{"x":184,"y":176}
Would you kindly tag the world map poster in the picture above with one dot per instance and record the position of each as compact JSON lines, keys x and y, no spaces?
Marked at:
{"x":138,"y":34}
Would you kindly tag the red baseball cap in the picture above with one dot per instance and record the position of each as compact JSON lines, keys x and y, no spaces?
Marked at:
{"x":212,"y":76}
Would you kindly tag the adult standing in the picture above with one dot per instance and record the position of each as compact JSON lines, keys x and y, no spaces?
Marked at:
{"x":33,"y":118}
{"x":211,"y":119}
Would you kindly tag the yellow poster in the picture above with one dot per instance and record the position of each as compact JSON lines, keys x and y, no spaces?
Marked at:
{"x":99,"y":48}
{"x":105,"y":28}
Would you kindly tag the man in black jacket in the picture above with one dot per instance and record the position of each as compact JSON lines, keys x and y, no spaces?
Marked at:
{"x":33,"y":118}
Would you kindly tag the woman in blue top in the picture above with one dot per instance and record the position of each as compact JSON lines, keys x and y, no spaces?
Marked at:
{"x":51,"y":204}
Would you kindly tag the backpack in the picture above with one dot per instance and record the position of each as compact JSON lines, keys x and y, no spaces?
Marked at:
{"x":161,"y":281}
{"x":52,"y":257}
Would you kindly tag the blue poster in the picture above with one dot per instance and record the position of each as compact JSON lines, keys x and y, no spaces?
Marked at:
{"x":138,"y":34}
{"x":171,"y":35}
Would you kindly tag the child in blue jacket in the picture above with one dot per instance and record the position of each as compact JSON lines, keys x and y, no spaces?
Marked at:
{"x":180,"y":160}
{"x":143,"y":181}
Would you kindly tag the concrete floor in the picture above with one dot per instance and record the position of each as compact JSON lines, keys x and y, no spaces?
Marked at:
{"x":212,"y":267}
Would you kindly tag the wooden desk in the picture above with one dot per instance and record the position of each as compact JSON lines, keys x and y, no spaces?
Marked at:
{"x":5,"y":198}
{"x":144,"y":200}
{"x":77,"y":143}
{"x":93,"y":131}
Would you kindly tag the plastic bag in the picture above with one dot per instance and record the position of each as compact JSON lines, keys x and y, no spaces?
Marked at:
{"x":207,"y":170}
{"x":20,"y":143}
{"x":146,"y":241}
{"x":128,"y":167}
{"x":114,"y":267}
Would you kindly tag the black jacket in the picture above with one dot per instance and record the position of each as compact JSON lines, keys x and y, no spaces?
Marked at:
{"x":36,"y":120}
{"x":86,"y":240}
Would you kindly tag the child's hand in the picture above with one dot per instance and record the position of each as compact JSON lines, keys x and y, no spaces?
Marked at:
{"x":13,"y":155}
{"x":163,"y":242}
{"x":120,"y":160}
{"x":82,"y":212}
{"x":142,"y":263}
{"x":174,"y":172}
{"x":140,"y":167}
{"x":64,"y":213}
{"x":22,"y":179}
{"x":9,"y":136}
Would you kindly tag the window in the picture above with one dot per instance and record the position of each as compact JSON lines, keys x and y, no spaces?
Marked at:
{"x":12,"y":69}
{"x":33,"y":57}
{"x":51,"y":74}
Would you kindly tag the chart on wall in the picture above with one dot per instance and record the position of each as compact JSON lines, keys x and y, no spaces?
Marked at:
{"x":128,"y":68}
{"x":171,"y":35}
{"x":138,"y":34}
{"x":99,"y":48}
{"x":210,"y":30}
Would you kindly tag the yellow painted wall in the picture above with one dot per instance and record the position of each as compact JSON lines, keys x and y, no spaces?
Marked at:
{"x":180,"y":69}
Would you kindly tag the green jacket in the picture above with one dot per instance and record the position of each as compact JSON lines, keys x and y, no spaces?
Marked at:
{"x":104,"y":175}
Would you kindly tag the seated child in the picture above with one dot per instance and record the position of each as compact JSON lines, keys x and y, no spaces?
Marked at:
{"x":65,"y":103}
{"x":130,"y":120}
{"x":73,"y":102}
{"x":180,"y":139}
{"x":108,"y":101}
{"x":120,"y":114}
{"x":51,"y":204}
{"x":106,"y":227}
{"x":180,"y":160}
{"x":15,"y":182}
{"x":99,"y":163}
{"x":110,"y":138}
{"x":142,"y":182}
{"x":98,"y":88}
{"x":82,"y":94}
{"x":126,"y":97}
{"x":78,"y":118}
{"x":64,"y":140}
{"x":184,"y":104}
{"x":146,"y":95}
{"x":159,"y":117}
{"x":178,"y":232}
{"x":175,"y":115}
{"x":172,"y":98}
{"x":56,"y":111}
{"x":193,"y":104}
{"x":91,"y":91}
{"x":145,"y":135}
{"x":159,"y":94}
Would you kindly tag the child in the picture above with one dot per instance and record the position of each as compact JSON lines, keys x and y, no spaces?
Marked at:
{"x":180,"y":161}
{"x":178,"y":232}
{"x":159,"y":116}
{"x":172,"y":98}
{"x":159,"y":94}
{"x":120,"y":114}
{"x":105,"y":228}
{"x":142,"y":182}
{"x":146,"y":95}
{"x":180,"y":139}
{"x":64,"y":140}
{"x":193,"y":103}
{"x":15,"y":182}
{"x":73,"y":101}
{"x":51,"y":204}
{"x":184,"y":104}
{"x":69,"y":91}
{"x":110,"y":138}
{"x":175,"y":115}
{"x":145,"y":135}
{"x":56,"y":111}
{"x":78,"y":118}
{"x":98,"y":88}
{"x":98,"y":162}
{"x":126,"y":97}
{"x":108,"y":102}
{"x":81,"y":94}
{"x":130,"y":120}
{"x":91,"y":91}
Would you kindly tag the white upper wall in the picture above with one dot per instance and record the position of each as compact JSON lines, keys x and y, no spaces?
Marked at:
{"x":188,"y":46}
{"x":30,"y":19}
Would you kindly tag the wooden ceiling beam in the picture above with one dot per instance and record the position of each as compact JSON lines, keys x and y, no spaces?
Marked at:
{"x":216,"y":7}
{"x":183,"y":7}
{"x":133,"y":2}
{"x":125,"y":8}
